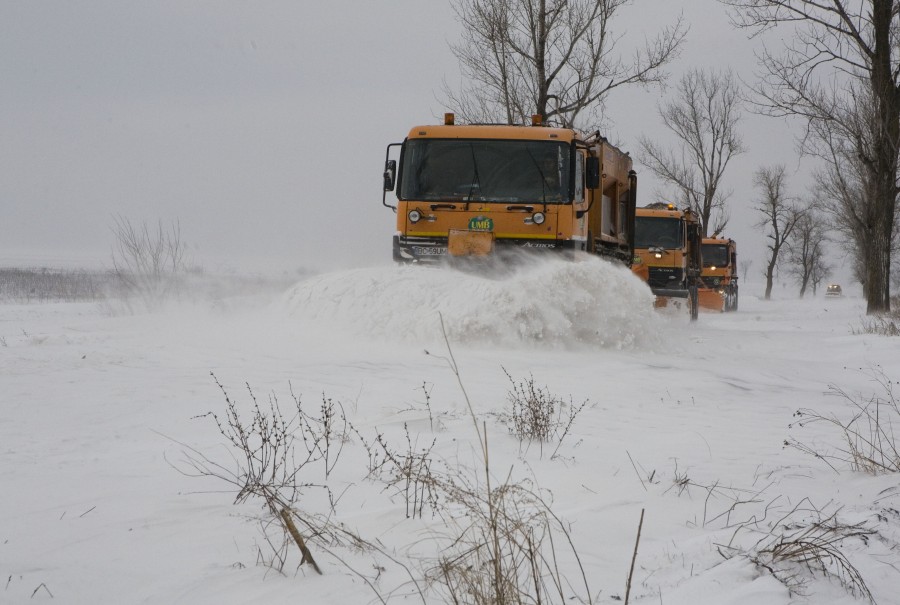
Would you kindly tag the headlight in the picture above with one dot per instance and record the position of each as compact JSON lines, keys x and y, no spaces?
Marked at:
{"x":538,"y":218}
{"x":414,"y":216}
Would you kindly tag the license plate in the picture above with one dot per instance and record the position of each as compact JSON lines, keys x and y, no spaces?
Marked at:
{"x":423,"y":251}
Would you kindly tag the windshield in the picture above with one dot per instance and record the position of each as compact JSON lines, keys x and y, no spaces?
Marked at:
{"x":715,"y":255}
{"x":661,"y":232}
{"x":485,"y":170}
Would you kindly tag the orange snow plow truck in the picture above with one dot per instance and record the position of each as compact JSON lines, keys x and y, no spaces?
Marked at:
{"x":719,"y":279}
{"x":667,"y":253}
{"x":488,"y":190}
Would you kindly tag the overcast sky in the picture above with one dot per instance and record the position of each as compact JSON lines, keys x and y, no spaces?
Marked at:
{"x":261,"y":127}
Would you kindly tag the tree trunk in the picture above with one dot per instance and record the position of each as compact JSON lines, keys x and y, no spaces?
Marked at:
{"x":541,"y":65}
{"x":770,"y":272}
{"x":878,"y":270}
{"x":883,"y":167}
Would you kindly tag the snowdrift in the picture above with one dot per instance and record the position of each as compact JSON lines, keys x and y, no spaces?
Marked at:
{"x":549,"y":302}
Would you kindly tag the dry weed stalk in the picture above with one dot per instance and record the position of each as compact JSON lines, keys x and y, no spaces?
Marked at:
{"x":537,"y":415}
{"x":275,"y":455}
{"x":502,"y":544}
{"x":409,"y":473}
{"x":885,"y":324}
{"x":805,"y":541}
{"x":506,"y":546}
{"x":721,"y":503}
{"x":637,"y":541}
{"x":869,"y":442}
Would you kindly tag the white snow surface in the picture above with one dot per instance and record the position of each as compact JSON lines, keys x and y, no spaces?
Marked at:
{"x":99,"y":412}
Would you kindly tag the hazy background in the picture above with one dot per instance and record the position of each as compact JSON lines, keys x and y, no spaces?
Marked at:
{"x":261,"y":127}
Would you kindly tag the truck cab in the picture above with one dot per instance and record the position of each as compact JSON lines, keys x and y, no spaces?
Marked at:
{"x":718,"y":277}
{"x":482,"y":190}
{"x":667,"y":252}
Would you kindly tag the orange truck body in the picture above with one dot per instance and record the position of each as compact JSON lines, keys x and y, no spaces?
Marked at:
{"x":482,"y":190}
{"x":719,"y":280}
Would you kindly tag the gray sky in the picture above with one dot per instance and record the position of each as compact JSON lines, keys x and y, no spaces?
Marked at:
{"x":261,"y":126}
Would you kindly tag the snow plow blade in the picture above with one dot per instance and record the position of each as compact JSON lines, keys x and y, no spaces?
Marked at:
{"x":712,"y":300}
{"x":464,"y":242}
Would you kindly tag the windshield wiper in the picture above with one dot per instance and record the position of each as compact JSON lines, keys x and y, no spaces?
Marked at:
{"x":543,"y":178}
{"x":476,"y":179}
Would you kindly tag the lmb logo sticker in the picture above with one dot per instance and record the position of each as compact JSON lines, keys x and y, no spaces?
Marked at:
{"x":481,"y":223}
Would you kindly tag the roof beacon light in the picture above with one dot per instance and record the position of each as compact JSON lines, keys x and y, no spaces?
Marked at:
{"x":448,"y":119}
{"x":537,"y":119}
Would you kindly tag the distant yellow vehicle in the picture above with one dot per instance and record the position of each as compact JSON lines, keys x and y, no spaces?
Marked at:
{"x":833,"y":290}
{"x":667,"y":253}
{"x":482,"y":190}
{"x":718,"y":277}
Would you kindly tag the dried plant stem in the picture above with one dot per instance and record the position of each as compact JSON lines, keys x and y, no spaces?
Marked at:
{"x":634,"y":557}
{"x":493,"y":517}
{"x":455,"y":369}
{"x":505,"y":551}
{"x":295,"y":534}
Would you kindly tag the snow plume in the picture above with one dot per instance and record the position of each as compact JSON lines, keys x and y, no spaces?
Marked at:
{"x":547,"y":302}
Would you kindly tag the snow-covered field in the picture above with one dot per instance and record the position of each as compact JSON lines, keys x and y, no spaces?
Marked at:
{"x":100,"y":410}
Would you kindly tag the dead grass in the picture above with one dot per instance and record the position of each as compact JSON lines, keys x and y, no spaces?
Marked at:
{"x":803,"y":543}
{"x":536,"y":415}
{"x":497,"y":540}
{"x":884,"y":324}
{"x":867,"y":434}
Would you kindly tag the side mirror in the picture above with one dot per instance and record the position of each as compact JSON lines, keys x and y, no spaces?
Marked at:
{"x":592,"y":173}
{"x":390,"y":174}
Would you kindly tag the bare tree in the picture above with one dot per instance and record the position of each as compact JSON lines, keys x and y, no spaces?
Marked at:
{"x":806,"y":250}
{"x":779,"y":215}
{"x":745,"y":265}
{"x":556,"y":58}
{"x":147,"y":260}
{"x":704,"y":115}
{"x":820,"y":273}
{"x":840,"y":188}
{"x":843,"y":64}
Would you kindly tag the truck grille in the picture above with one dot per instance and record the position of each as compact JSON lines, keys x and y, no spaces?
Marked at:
{"x":665,"y":277}
{"x":711,"y":282}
